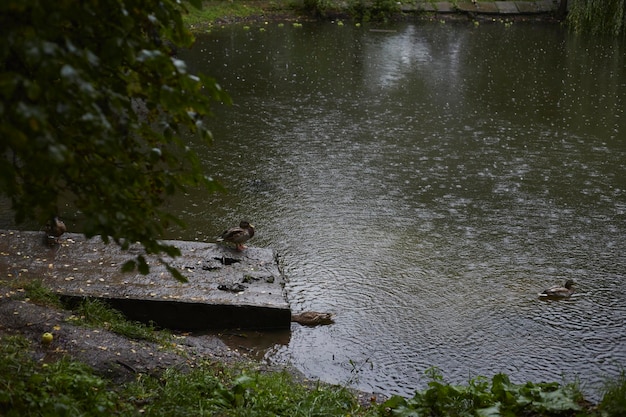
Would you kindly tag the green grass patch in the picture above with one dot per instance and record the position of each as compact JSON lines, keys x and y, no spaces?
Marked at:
{"x":96,"y":313}
{"x":212,"y":391}
{"x":68,"y":388}
{"x":89,"y":312}
{"x":33,"y":291}
{"x":213,"y":11}
{"x":61,"y":388}
{"x":37,"y":293}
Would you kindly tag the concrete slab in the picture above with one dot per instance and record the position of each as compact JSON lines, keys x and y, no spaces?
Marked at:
{"x":526,"y":7}
{"x":226,"y":288}
{"x":506,"y":7}
{"x":544,"y":6}
{"x":445,"y":7}
{"x":486,"y":7}
{"x":466,"y":6}
{"x":425,"y":7}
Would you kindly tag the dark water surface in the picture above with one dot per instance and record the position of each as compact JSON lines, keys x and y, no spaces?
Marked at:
{"x":424,"y":185}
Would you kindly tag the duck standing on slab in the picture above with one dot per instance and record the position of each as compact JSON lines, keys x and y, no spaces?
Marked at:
{"x":558,"y":291}
{"x":54,"y":229}
{"x":238,"y":235}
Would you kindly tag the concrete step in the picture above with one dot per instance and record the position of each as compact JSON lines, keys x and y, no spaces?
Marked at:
{"x":226,"y":288}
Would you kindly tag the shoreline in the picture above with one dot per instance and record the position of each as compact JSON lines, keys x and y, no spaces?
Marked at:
{"x":214,"y":13}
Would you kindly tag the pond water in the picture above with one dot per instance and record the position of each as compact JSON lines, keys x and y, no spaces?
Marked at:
{"x":424,"y":183}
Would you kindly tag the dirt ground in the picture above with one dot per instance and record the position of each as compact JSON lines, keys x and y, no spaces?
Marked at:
{"x":112,"y":356}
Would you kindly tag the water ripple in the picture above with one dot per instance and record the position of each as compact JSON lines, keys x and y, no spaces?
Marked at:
{"x":424,"y":185}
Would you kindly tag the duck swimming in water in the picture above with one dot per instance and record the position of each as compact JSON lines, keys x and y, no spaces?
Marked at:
{"x":312,"y":318}
{"x":558,"y":291}
{"x":238,"y":235}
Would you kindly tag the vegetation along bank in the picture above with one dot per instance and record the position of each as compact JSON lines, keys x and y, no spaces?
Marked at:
{"x":91,"y":361}
{"x":606,"y":18}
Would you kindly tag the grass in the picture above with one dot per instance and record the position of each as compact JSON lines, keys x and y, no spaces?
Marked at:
{"x":214,"y":10}
{"x":241,"y":393}
{"x":68,"y":388}
{"x":62,"y":388}
{"x":89,"y":312}
{"x":96,"y":313}
{"x":218,"y":10}
{"x":31,"y":388}
{"x":34,"y":291}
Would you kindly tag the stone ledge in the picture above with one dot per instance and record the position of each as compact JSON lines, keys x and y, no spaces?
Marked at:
{"x":226,"y":289}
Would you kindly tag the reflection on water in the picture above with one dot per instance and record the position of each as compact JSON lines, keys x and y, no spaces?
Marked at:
{"x":254,"y":344}
{"x":424,"y":185}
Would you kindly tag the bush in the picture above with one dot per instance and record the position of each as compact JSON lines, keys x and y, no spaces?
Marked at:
{"x":62,"y":388}
{"x":318,"y":8}
{"x":377,"y":10}
{"x":613,"y":402}
{"x":479,"y":397}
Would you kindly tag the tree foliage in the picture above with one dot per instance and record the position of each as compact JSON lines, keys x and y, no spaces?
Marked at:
{"x":598,"y":17}
{"x":93,"y":104}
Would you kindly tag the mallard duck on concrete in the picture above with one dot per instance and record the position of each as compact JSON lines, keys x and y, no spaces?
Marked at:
{"x":238,"y":235}
{"x":54,"y":230}
{"x":559,"y":291}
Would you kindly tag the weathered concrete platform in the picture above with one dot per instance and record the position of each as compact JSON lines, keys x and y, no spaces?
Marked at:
{"x":226,"y":288}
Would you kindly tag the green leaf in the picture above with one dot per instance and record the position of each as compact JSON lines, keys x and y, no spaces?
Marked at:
{"x":493,"y":411}
{"x":394,"y":402}
{"x":558,"y":400}
{"x":176,"y":273}
{"x":142,"y":265}
{"x":69,"y":73}
{"x":129,"y":266}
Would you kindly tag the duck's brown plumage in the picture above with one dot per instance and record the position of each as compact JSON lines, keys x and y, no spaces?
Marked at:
{"x":54,"y":229}
{"x":238,"y":235}
{"x":558,"y":291}
{"x":312,"y":318}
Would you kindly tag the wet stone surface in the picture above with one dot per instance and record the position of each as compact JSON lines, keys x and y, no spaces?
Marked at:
{"x":225,"y":288}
